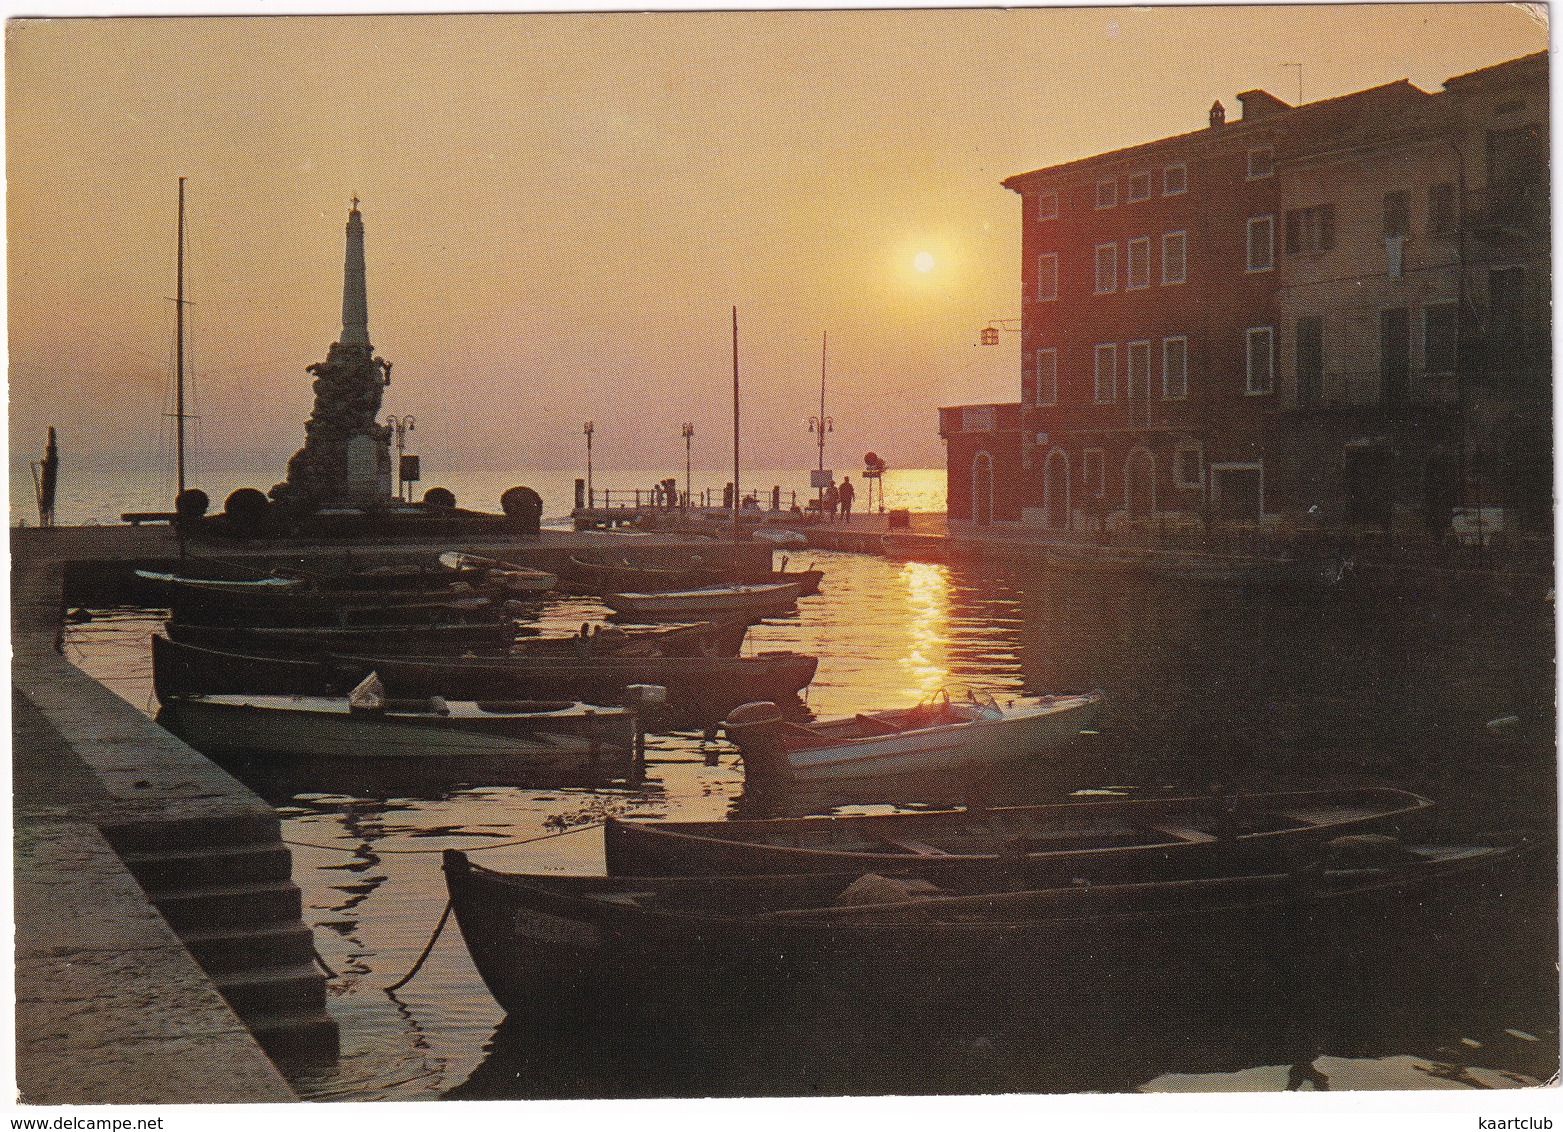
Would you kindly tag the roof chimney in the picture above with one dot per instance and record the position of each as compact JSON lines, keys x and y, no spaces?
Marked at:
{"x":1260,"y":104}
{"x":1218,"y":115}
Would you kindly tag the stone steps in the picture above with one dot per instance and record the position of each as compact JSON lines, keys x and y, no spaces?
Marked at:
{"x":171,"y":869}
{"x":229,"y":905}
{"x":290,"y":989}
{"x":230,"y":951}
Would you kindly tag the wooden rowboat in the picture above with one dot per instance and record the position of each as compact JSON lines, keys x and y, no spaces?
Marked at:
{"x":491,"y":574}
{"x":1121,"y":837}
{"x":221,"y":587}
{"x":607,"y":577}
{"x":699,"y":687}
{"x":939,"y":736}
{"x":309,"y":639}
{"x":501,"y":742}
{"x":737,"y":600}
{"x":664,"y":944}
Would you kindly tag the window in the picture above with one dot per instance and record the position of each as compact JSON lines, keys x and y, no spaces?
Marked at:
{"x":1093,"y":470}
{"x":1107,"y":193}
{"x":1106,"y":268}
{"x":1174,"y":265}
{"x":1140,"y":186}
{"x":1440,"y":210}
{"x":1047,"y":277}
{"x":1188,"y":467}
{"x":1310,"y":360}
{"x":1174,"y":180}
{"x":1047,"y":376}
{"x":1261,"y":359}
{"x":1139,"y":263}
{"x":1106,"y":372}
{"x":1261,"y":162}
{"x":1261,"y":243}
{"x":1397,"y":214}
{"x":1310,"y":229}
{"x":1440,"y":339}
{"x":1174,"y":368}
{"x":1138,"y":372}
{"x":1047,"y":205}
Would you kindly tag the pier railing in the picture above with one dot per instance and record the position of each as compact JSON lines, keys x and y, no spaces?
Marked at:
{"x":650,"y":498}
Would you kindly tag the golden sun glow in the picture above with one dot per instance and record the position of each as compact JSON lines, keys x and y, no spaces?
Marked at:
{"x":923,"y":261}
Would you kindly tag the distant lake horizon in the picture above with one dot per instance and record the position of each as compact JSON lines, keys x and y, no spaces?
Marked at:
{"x":97,"y":492}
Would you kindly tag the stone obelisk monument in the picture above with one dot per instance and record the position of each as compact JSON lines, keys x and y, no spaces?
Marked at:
{"x":346,"y":458}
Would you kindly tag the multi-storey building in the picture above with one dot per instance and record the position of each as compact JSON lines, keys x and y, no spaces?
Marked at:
{"x":1259,"y":321}
{"x":1501,"y":136}
{"x":1364,"y":431}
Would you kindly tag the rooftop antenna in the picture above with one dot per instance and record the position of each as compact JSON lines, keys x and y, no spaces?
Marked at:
{"x":1299,"y":67}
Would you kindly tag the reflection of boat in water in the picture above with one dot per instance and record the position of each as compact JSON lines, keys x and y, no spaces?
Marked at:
{"x":674,"y":944}
{"x":939,"y":735}
{"x":1121,"y":837}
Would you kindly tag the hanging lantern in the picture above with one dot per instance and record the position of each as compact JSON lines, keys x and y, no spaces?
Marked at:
{"x":990,"y":335}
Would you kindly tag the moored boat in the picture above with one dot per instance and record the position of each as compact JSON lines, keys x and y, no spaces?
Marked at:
{"x":661,"y":943}
{"x":701,"y":688}
{"x":605,"y":577}
{"x":490,"y":573}
{"x":511,"y":741}
{"x":1120,"y":837}
{"x":943,"y":734}
{"x":736,"y":600}
{"x":237,"y":588}
{"x":432,"y":638}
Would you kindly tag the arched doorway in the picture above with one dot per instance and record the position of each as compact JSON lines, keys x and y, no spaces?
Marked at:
{"x":1139,"y":484}
{"x":1055,"y":491}
{"x":982,"y":489}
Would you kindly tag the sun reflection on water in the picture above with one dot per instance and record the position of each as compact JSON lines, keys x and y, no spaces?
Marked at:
{"x":928,"y":604}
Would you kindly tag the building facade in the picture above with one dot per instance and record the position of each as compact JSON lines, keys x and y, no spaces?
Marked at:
{"x":1267,"y":322}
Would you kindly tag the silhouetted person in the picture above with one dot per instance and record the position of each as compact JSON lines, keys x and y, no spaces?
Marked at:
{"x":829,"y":500}
{"x":845,"y":495}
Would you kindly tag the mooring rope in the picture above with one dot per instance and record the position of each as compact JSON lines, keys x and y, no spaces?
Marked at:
{"x":416,"y":967}
{"x":474,"y":849}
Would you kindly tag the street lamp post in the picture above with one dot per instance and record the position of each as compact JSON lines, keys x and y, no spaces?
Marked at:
{"x":402,"y":426}
{"x":588,"y":429}
{"x":821,"y":425}
{"x":689,"y":432}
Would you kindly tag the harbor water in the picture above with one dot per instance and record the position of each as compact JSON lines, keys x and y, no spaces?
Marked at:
{"x":1264,"y":691}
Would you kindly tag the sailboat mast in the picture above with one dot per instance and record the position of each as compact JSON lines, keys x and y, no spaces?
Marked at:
{"x":737,"y":497}
{"x":179,"y":347}
{"x":823,"y":339}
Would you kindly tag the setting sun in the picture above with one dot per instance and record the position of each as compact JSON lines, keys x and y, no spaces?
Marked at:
{"x":923,"y":261}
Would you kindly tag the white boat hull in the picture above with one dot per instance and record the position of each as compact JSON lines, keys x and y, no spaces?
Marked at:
{"x":1027,"y":729}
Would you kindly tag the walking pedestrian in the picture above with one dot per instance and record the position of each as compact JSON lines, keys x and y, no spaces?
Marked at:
{"x":829,"y":500}
{"x":845,"y":494}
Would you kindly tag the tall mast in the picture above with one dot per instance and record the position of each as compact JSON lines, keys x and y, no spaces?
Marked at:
{"x":823,"y":338}
{"x":179,"y":347}
{"x":737,"y":497}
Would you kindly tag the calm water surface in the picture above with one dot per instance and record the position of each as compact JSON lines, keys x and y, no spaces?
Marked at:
{"x":1270,"y":692}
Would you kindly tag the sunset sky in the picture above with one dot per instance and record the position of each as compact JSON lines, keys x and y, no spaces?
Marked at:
{"x":562,"y":209}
